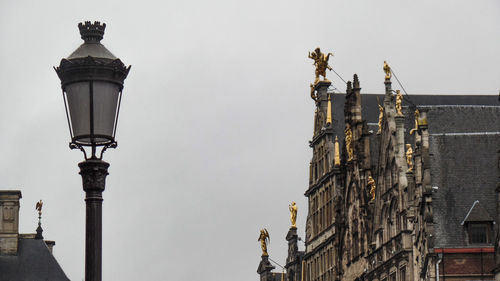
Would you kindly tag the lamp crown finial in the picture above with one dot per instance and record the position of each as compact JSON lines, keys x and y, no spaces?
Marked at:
{"x":92,"y":32}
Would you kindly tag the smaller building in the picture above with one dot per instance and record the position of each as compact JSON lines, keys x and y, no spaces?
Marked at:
{"x":24,"y":257}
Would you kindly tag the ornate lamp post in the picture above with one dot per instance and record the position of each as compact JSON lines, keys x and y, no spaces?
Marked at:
{"x":92,"y":82}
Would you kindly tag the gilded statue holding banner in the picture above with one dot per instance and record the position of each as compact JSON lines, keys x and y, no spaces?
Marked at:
{"x":321,"y":63}
{"x":264,"y":239}
{"x":293,"y":214}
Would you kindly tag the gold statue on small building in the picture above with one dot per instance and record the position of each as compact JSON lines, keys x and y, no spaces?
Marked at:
{"x":380,"y":118}
{"x":417,"y":115}
{"x":399,"y":103}
{"x":264,"y":239}
{"x":387,"y":70}
{"x":321,"y":63}
{"x":293,"y":214}
{"x":373,"y":187}
{"x":409,"y":157}
{"x":348,"y":142}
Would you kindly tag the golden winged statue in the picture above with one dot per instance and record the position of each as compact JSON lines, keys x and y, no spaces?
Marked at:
{"x":38,"y":207}
{"x":264,"y":239}
{"x":399,"y":102}
{"x":409,"y":156}
{"x":373,"y":187}
{"x":387,"y":70}
{"x":321,"y":63}
{"x":293,"y":214}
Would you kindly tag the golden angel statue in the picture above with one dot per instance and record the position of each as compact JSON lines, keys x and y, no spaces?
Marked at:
{"x":399,"y":102}
{"x":264,"y":239}
{"x":293,"y":214}
{"x":409,"y":156}
{"x":387,"y":70}
{"x":321,"y":63}
{"x":38,"y":207}
{"x":380,"y":118}
{"x":417,"y":115}
{"x":373,"y":187}
{"x":348,"y":142}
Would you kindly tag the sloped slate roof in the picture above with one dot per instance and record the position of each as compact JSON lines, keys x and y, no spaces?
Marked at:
{"x":478,"y":214}
{"x":34,"y":262}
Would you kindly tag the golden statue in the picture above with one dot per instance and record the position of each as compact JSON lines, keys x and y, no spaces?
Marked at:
{"x":373,"y":187}
{"x":409,"y":156}
{"x":264,"y":239}
{"x":399,"y":102}
{"x":387,"y":70}
{"x":293,"y":214}
{"x":380,"y":118}
{"x":38,"y":207}
{"x":348,"y":142}
{"x":321,"y":63}
{"x":417,"y":115}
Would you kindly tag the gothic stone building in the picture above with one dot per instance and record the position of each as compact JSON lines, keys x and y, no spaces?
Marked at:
{"x":436,"y":220}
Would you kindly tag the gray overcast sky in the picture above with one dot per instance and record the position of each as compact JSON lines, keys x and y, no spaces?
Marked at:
{"x":215,"y":118}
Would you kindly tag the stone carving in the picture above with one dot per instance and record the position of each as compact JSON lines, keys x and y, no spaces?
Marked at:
{"x":417,"y":115}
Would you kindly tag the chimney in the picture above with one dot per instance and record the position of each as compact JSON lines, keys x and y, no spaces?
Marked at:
{"x":9,"y":221}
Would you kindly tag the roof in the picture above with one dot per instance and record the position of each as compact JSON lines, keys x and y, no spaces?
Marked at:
{"x":34,"y":261}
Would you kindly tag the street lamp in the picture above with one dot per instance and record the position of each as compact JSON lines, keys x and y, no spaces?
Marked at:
{"x":92,"y":82}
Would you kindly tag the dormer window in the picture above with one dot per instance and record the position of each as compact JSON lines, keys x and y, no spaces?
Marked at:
{"x":479,"y":232}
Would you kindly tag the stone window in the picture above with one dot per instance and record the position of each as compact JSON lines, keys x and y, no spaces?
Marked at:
{"x":402,"y":274}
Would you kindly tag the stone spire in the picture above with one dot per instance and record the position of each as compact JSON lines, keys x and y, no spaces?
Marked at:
{"x":329,"y":111}
{"x":337,"y":152}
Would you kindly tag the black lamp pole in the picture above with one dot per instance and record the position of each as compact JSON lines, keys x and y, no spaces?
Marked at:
{"x":92,"y":83}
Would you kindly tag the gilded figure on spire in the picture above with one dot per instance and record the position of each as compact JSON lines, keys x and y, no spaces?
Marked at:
{"x":399,"y":102}
{"x":321,"y":63}
{"x":380,"y":118}
{"x":264,"y":239}
{"x":293,"y":214}
{"x":387,"y":70}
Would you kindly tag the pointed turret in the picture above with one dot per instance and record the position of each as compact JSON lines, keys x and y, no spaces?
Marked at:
{"x":329,"y":111}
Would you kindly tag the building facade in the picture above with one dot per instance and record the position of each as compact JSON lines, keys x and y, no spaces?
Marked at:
{"x":401,"y":190}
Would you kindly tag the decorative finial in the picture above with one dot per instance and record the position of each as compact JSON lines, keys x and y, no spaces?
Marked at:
{"x":39,"y":229}
{"x":321,"y":63}
{"x":373,"y":187}
{"x":337,"y":152}
{"x":264,"y":239}
{"x":387,"y":70}
{"x":293,"y":214}
{"x":409,"y":157}
{"x":355,"y":83}
{"x":399,"y":102}
{"x":329,"y":111}
{"x":92,"y":32}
